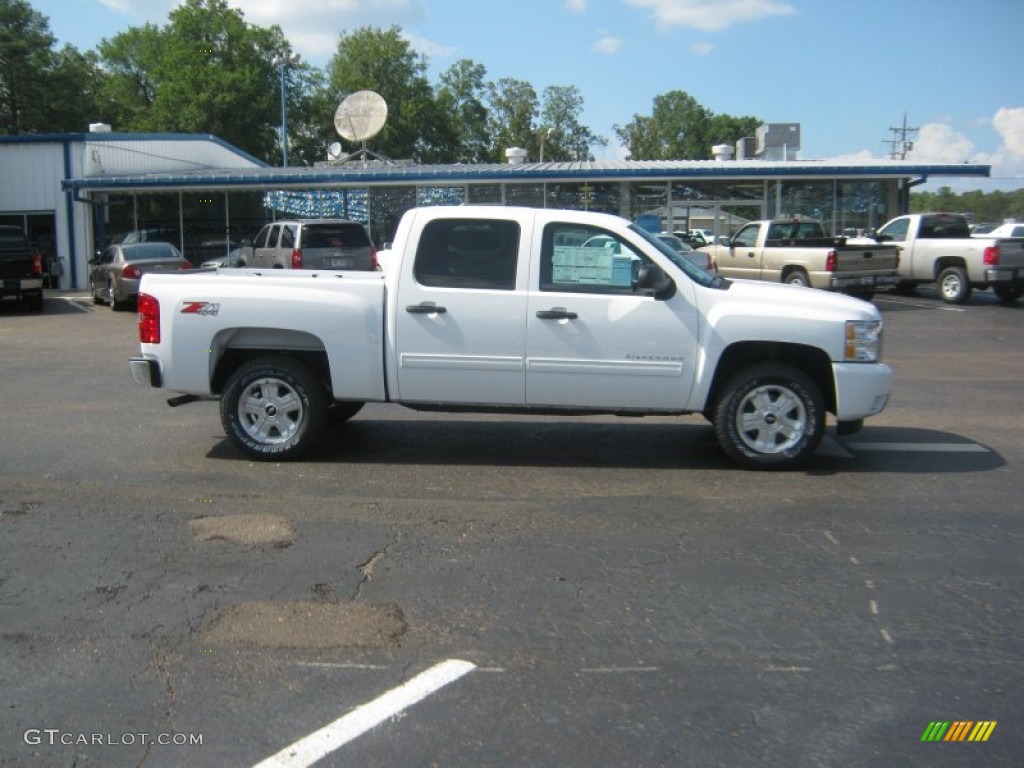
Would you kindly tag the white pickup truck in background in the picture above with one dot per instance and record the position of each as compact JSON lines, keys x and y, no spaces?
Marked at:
{"x":798,"y":251}
{"x":498,"y":309}
{"x":939,"y":248}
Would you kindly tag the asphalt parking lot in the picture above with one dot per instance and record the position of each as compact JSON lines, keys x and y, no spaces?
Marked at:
{"x":453,"y":590}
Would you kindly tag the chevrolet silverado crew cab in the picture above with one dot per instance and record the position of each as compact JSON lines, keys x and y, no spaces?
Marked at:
{"x":798,"y":251}
{"x":504,"y":310}
{"x":938,"y":248}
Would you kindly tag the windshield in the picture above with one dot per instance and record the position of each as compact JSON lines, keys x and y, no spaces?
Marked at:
{"x":692,"y":271}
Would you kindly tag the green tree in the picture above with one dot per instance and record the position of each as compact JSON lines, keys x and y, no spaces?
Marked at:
{"x":679,"y":128}
{"x":512,"y":117}
{"x":460,"y":97}
{"x":206,"y":71}
{"x":563,"y":137}
{"x":42,"y":90}
{"x":380,"y":60}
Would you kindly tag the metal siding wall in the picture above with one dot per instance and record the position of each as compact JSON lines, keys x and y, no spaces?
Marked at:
{"x":131,"y":157}
{"x":31,"y":175}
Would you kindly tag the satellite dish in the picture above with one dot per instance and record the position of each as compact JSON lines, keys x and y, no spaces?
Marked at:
{"x":361,"y":116}
{"x":334,"y":150}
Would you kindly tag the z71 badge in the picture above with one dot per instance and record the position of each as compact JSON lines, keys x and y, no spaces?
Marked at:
{"x":200,"y":308}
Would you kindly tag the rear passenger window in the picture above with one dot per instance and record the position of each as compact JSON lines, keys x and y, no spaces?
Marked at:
{"x":287,"y":237}
{"x":581,"y":259}
{"x":468,"y":253}
{"x":334,"y":236}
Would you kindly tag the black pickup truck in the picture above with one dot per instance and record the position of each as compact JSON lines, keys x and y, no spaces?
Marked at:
{"x":21,"y":269}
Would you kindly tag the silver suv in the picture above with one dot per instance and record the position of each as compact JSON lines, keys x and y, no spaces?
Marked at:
{"x":314,"y":244}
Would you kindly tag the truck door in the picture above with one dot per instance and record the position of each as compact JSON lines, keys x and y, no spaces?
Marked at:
{"x":897,"y":232}
{"x":460,"y":327}
{"x":741,"y":259}
{"x":592,"y":340}
{"x":262,"y":250}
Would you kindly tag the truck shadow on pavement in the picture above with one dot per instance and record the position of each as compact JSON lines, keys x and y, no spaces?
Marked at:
{"x":566,"y":443}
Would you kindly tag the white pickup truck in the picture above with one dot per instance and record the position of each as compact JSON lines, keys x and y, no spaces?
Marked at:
{"x":938,"y":248}
{"x":503,"y":310}
{"x":798,"y":251}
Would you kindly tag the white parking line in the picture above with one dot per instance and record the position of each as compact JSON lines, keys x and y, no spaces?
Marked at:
{"x":920,"y":447}
{"x":317,"y":745}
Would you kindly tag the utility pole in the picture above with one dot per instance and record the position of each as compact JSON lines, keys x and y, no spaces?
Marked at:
{"x":900,"y":143}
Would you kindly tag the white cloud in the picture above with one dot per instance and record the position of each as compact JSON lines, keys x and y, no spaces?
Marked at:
{"x":576,"y":5}
{"x":939,"y":143}
{"x":1009,"y":122}
{"x":606,"y":43}
{"x":711,"y":15}
{"x":701,"y":49}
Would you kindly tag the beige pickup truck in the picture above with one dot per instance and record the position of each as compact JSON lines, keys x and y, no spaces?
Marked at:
{"x":798,"y":251}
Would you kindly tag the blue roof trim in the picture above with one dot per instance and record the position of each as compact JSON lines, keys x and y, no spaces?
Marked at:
{"x":61,"y":138}
{"x":305,"y":177}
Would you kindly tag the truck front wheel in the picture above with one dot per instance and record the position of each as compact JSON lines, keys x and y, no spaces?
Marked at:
{"x":953,"y":285}
{"x":273,"y":408}
{"x":770,"y":416}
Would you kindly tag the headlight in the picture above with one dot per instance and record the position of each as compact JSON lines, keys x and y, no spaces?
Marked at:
{"x":863,"y":341}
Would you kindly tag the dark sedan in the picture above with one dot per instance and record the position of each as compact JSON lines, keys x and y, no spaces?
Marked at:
{"x":115,"y":273}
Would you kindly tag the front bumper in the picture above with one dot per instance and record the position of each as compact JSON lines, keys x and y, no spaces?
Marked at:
{"x":146,"y":372}
{"x":862,"y":389}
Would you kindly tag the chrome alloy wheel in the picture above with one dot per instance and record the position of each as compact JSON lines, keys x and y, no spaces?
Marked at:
{"x":270,"y":411}
{"x":771,"y":419}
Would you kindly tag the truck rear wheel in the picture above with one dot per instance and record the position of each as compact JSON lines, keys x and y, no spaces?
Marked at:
{"x":273,"y":408}
{"x":953,"y":285}
{"x":770,"y":416}
{"x":797,"y":277}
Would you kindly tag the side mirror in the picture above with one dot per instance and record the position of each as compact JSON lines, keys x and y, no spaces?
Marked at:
{"x":725,"y":241}
{"x":651,"y":277}
{"x":881,"y":238}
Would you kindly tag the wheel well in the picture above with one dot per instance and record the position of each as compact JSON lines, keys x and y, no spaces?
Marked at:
{"x":811,"y":360}
{"x":948,"y":261}
{"x":787,"y":271}
{"x":233,"y":358}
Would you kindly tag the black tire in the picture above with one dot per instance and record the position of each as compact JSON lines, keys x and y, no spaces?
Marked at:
{"x":35,"y":302}
{"x":953,"y":285}
{"x":341,"y":412}
{"x":274,"y":408}
{"x":1008,"y":294}
{"x":115,"y":305}
{"x":797,"y":277}
{"x":905,"y":288}
{"x":864,"y":294}
{"x":770,"y":416}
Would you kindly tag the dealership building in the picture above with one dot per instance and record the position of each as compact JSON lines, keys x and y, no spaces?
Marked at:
{"x":72,"y":192}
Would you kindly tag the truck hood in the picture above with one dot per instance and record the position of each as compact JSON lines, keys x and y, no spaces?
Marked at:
{"x":782,"y":300}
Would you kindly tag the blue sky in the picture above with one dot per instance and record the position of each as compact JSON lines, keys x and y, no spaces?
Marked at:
{"x":846,"y":71}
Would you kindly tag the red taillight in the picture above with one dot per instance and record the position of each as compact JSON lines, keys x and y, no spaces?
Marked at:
{"x":131,"y":273}
{"x":149,"y":319}
{"x":297,"y":258}
{"x":37,"y":264}
{"x":992,"y":256}
{"x":373,"y":258}
{"x":830,"y":261}
{"x":185,"y":265}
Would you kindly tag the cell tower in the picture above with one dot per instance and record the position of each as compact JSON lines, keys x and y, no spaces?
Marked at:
{"x":901,"y":142}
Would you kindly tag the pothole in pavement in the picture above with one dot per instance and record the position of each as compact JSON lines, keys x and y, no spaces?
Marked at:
{"x":307,"y":624}
{"x":250,"y":530}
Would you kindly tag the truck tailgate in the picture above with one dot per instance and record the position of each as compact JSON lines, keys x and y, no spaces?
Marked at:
{"x":1011,"y":252}
{"x":866,"y":259}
